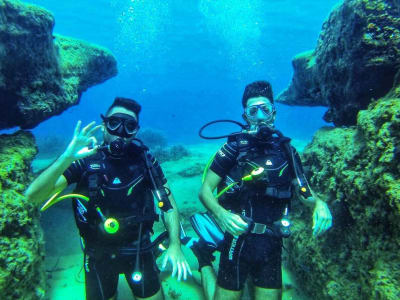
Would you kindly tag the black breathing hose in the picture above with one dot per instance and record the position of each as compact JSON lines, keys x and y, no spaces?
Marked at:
{"x":222,"y":136}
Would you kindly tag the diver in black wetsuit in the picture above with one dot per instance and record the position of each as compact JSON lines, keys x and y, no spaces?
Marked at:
{"x":256,"y":174}
{"x":114,"y":206}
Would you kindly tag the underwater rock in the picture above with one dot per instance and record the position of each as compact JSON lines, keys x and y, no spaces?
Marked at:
{"x":359,"y":173}
{"x":41,"y":75}
{"x":356,"y":60}
{"x":153,"y":138}
{"x":192,"y":170}
{"x":173,"y":153}
{"x":177,"y":152}
{"x":22,"y":274}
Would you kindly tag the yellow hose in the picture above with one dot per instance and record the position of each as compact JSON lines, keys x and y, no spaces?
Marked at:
{"x":53,"y":200}
{"x":207,"y":167}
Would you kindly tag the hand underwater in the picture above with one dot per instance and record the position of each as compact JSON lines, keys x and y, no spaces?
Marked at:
{"x":322,"y":218}
{"x":178,"y":261}
{"x":79,"y":146}
{"x":232,"y":223}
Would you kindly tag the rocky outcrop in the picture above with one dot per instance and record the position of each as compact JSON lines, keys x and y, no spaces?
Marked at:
{"x":357,"y":59}
{"x":41,"y":75}
{"x":21,"y":243}
{"x":358,"y":171}
{"x":354,"y":71}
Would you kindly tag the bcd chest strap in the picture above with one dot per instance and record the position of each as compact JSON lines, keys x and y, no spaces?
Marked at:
{"x":95,"y":171}
{"x":159,"y":190}
{"x":245,"y":147}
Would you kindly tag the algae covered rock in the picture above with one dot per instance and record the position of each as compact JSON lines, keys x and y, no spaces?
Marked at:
{"x":356,"y":60}
{"x":358,"y":171}
{"x":21,"y":244}
{"x":195,"y":169}
{"x":42,"y":75}
{"x":153,"y":138}
{"x":173,"y":153}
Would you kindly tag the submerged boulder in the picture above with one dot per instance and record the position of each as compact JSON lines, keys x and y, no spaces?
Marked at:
{"x":358,"y":171}
{"x":356,"y":60}
{"x":21,"y":244}
{"x":41,"y":75}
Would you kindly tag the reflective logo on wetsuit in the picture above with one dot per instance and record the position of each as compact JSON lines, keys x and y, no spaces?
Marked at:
{"x":232,"y":249}
{"x":81,"y":211}
{"x":221,"y":153}
{"x":116,"y":181}
{"x":268,"y":163}
{"x":95,"y":166}
{"x":86,"y":264}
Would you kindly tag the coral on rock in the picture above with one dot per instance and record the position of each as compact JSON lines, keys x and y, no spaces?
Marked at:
{"x":42,"y":75}
{"x":175,"y":152}
{"x":21,"y":245}
{"x":358,"y":171}
{"x":153,"y":138}
{"x":195,"y":169}
{"x":357,"y":59}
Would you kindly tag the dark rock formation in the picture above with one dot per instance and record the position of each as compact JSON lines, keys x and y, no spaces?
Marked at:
{"x":195,"y":169}
{"x":21,"y":244}
{"x":42,"y":75}
{"x":356,"y":60}
{"x":359,"y":172}
{"x":153,"y":138}
{"x":172,"y":153}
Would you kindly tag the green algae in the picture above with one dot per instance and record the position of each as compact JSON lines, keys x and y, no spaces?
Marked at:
{"x":21,"y":242}
{"x":307,"y":56}
{"x":356,"y":168}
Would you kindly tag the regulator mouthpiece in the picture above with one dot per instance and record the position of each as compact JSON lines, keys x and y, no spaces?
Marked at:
{"x":262,"y":131}
{"x":117,"y":147}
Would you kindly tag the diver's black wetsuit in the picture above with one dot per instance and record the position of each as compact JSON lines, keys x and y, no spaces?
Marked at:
{"x":263,"y":200}
{"x":124,"y":193}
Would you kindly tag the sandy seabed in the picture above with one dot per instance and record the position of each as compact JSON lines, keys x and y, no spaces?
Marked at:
{"x":64,"y":256}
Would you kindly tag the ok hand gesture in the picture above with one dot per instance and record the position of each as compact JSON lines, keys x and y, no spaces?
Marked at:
{"x":79,"y":146}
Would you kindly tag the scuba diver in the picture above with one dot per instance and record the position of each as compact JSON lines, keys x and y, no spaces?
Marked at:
{"x":120,"y":192}
{"x":256,"y":173}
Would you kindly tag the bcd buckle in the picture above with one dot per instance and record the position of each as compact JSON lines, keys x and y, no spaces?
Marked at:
{"x":259,"y":228}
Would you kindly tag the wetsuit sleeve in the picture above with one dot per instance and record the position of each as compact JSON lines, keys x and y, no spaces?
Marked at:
{"x":225,"y":159}
{"x":74,"y":172}
{"x":157,"y":167}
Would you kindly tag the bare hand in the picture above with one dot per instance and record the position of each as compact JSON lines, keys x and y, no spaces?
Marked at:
{"x":232,"y":223}
{"x":322,"y":218}
{"x":179,"y":263}
{"x":79,"y":146}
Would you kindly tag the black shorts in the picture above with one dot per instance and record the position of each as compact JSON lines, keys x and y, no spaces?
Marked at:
{"x":102,"y":272}
{"x":256,"y":255}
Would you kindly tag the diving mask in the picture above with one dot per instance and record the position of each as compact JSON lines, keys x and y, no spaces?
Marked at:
{"x":121,"y":125}
{"x":263,"y":111}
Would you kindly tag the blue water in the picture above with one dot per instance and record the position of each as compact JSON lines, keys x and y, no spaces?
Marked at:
{"x":187,"y":61}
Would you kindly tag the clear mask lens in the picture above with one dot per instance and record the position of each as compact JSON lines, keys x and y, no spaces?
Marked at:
{"x":113,"y":123}
{"x":130,"y":126}
{"x":252,"y":111}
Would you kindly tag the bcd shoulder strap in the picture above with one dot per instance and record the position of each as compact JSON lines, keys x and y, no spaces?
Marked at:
{"x":304,"y":188}
{"x":155,"y":179}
